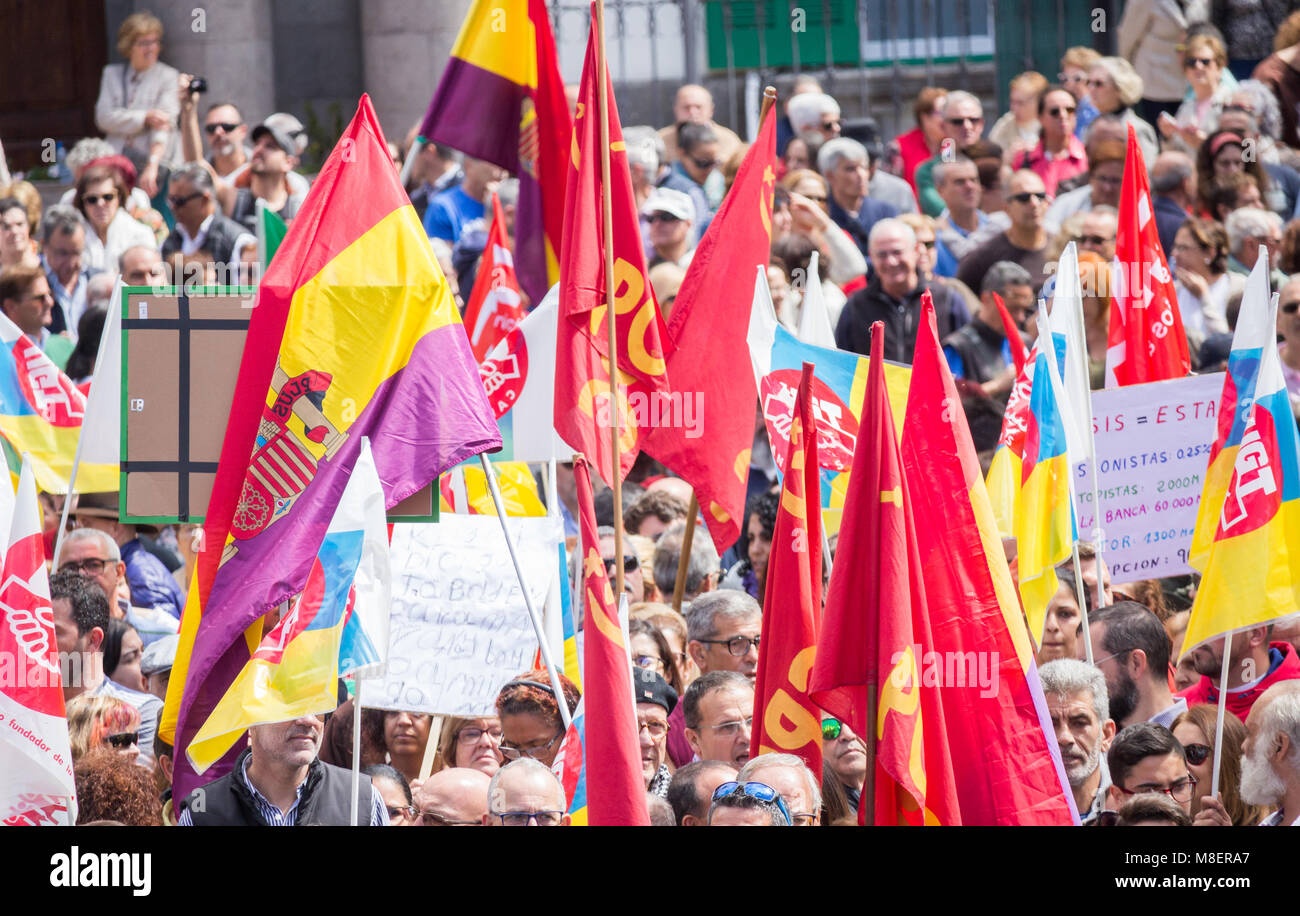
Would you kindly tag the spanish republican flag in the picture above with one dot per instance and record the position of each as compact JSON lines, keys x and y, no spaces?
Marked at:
{"x":1146,"y":341}
{"x":1247,"y":539}
{"x":876,"y":630}
{"x":1045,"y":525}
{"x":355,"y":335}
{"x":41,"y":415}
{"x":1004,"y":754}
{"x":615,"y":784}
{"x":710,"y":358}
{"x":501,"y":98}
{"x":786,"y":721}
{"x":494,"y":306}
{"x":583,"y":413}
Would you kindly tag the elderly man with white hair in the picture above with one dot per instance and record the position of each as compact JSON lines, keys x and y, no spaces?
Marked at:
{"x":1250,"y":229}
{"x":1270,"y":758}
{"x":893,"y":295}
{"x":845,"y":165}
{"x":963,"y":124}
{"x":814,"y":113}
{"x":1080,"y":712}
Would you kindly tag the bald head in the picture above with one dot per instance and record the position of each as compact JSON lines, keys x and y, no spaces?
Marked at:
{"x":524,"y":787}
{"x":456,"y":794}
{"x":673,"y":485}
{"x":693,"y":104}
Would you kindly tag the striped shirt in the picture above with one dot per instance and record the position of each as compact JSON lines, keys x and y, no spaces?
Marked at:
{"x":274,"y":817}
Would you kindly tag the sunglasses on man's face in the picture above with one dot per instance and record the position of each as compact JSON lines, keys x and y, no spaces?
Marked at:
{"x":630,"y":564}
{"x":962,"y":122}
{"x":1027,"y":196}
{"x":1290,"y":308}
{"x":1059,"y":112}
{"x":123,"y":740}
{"x":705,"y":165}
{"x":222,"y":125}
{"x":95,"y":199}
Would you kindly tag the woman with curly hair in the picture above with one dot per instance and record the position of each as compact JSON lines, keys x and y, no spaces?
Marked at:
{"x":472,"y":743}
{"x":111,"y":788}
{"x":530,"y":716}
{"x":750,"y":574}
{"x":102,"y":722}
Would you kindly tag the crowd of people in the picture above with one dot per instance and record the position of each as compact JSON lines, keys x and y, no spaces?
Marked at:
{"x":170,"y":193}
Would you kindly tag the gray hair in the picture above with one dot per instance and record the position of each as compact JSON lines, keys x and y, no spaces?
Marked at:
{"x":806,"y":109}
{"x":1127,"y":82}
{"x":708,"y":610}
{"x":1171,"y":169}
{"x":1103,"y":210}
{"x":1248,"y":222}
{"x":1068,"y":675}
{"x":833,"y":152}
{"x":1282,"y":715}
{"x":960,"y":95}
{"x":1003,"y":274}
{"x":195,"y":173}
{"x":99,"y":289}
{"x":644,"y":148}
{"x":941,"y":168}
{"x":763,"y":761}
{"x":121,"y":258}
{"x":889,"y":225}
{"x":60,"y":219}
{"x":522,"y":764}
{"x":508,"y":192}
{"x":77,"y":535}
{"x":86,"y":151}
{"x":1267,"y":112}
{"x":668,"y":550}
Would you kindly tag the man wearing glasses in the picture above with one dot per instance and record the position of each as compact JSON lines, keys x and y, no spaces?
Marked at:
{"x":1134,"y":657}
{"x":1024,"y":242}
{"x":1147,"y":758}
{"x":963,"y":124}
{"x":655,"y":700}
{"x":524,"y":793}
{"x":191,"y":195}
{"x":719,"y":716}
{"x":454,"y":797}
{"x":95,"y":555}
{"x":223,"y":128}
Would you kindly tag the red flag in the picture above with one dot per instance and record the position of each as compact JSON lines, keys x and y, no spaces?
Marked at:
{"x":710,"y":362}
{"x":1146,"y":341}
{"x":495,"y":305}
{"x":583,"y":414}
{"x":786,"y":721}
{"x":1008,"y":769}
{"x":875,"y":629}
{"x":615,"y":783}
{"x":1019,"y":352}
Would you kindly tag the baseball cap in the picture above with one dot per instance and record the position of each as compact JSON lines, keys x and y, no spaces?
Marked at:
{"x":666,"y":200}
{"x":282,"y":137}
{"x":159,"y":655}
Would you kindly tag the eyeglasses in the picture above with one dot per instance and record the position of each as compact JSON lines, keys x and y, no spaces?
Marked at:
{"x":736,"y":645}
{"x":1197,"y":754}
{"x":832,"y":125}
{"x":407,"y":811}
{"x":92,"y":565}
{"x":1098,"y":84}
{"x":653,"y":662}
{"x":1239,"y":108}
{"x":510,"y":752}
{"x":524,"y":818}
{"x":123,"y":740}
{"x":1058,"y":111}
{"x":831,"y":729}
{"x":656,"y":728}
{"x":927,"y":243}
{"x":94,"y":199}
{"x":146,"y":42}
{"x":962,"y":122}
{"x":1026,"y":196}
{"x":1289,"y":308}
{"x":221,"y":125}
{"x":704,"y":164}
{"x":177,"y":202}
{"x":1097,"y":240}
{"x":759,"y":790}
{"x":1070,"y":78}
{"x":1180,"y":791}
{"x":661,"y":218}
{"x":733,"y":728}
{"x":433,"y":819}
{"x":630,"y":564}
{"x":1198,"y":62}
{"x":471,"y":735}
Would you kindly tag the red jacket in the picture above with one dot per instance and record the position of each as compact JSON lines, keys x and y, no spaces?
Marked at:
{"x":1206,"y":690}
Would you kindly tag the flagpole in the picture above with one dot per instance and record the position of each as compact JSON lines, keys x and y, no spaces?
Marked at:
{"x":1218,"y":725}
{"x":684,"y":560}
{"x":607,"y":214}
{"x":1092,"y":460}
{"x":408,"y":164}
{"x":431,"y":747}
{"x":356,"y":752}
{"x":1081,"y":592}
{"x":867,"y":800}
{"x":560,"y":700}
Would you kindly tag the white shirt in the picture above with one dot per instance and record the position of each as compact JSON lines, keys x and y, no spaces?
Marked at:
{"x":191,"y":245}
{"x":124,"y":232}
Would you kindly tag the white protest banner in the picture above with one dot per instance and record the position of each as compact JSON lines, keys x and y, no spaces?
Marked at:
{"x":1153,"y":443}
{"x":459,"y":628}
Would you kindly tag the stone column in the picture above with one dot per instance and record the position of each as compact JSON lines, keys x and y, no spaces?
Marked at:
{"x":229,"y":43}
{"x":405,"y":45}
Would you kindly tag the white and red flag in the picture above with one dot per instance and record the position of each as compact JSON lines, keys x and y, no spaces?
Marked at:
{"x":495,"y":305}
{"x":36,"y":784}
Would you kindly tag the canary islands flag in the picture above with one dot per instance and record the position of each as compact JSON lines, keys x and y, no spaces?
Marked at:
{"x":1045,"y":526}
{"x":339,"y":624}
{"x":1247,"y":538}
{"x":355,"y":334}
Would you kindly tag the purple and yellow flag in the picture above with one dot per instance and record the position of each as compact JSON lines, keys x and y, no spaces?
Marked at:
{"x":1247,"y":538}
{"x":355,"y":334}
{"x":1045,"y":525}
{"x":501,"y":98}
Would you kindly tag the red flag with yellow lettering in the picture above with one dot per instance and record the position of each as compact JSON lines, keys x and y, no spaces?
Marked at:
{"x":786,"y":721}
{"x":875,"y":630}
{"x":713,"y":379}
{"x":615,"y":784}
{"x":583,"y":413}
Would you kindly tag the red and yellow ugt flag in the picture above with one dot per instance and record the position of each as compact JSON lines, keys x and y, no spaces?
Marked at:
{"x":583,"y":413}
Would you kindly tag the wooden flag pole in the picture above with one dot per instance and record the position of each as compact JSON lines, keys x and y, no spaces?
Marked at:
{"x":431,"y":747}
{"x":607,"y":217}
{"x":867,"y":801}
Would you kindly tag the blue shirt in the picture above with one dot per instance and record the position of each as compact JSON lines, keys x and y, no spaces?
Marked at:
{"x":859,"y":227}
{"x":448,"y":213}
{"x":945,"y":263}
{"x":68,"y":307}
{"x":958,"y":368}
{"x":1085,"y":113}
{"x":150,"y":583}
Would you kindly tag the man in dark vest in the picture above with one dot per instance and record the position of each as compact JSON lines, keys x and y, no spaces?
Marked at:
{"x":200,"y":227}
{"x":278,"y":782}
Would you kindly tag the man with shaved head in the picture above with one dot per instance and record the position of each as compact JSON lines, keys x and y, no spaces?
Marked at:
{"x":694,"y":105}
{"x":455,"y":797}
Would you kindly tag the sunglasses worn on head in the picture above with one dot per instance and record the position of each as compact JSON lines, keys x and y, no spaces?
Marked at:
{"x":758,"y":790}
